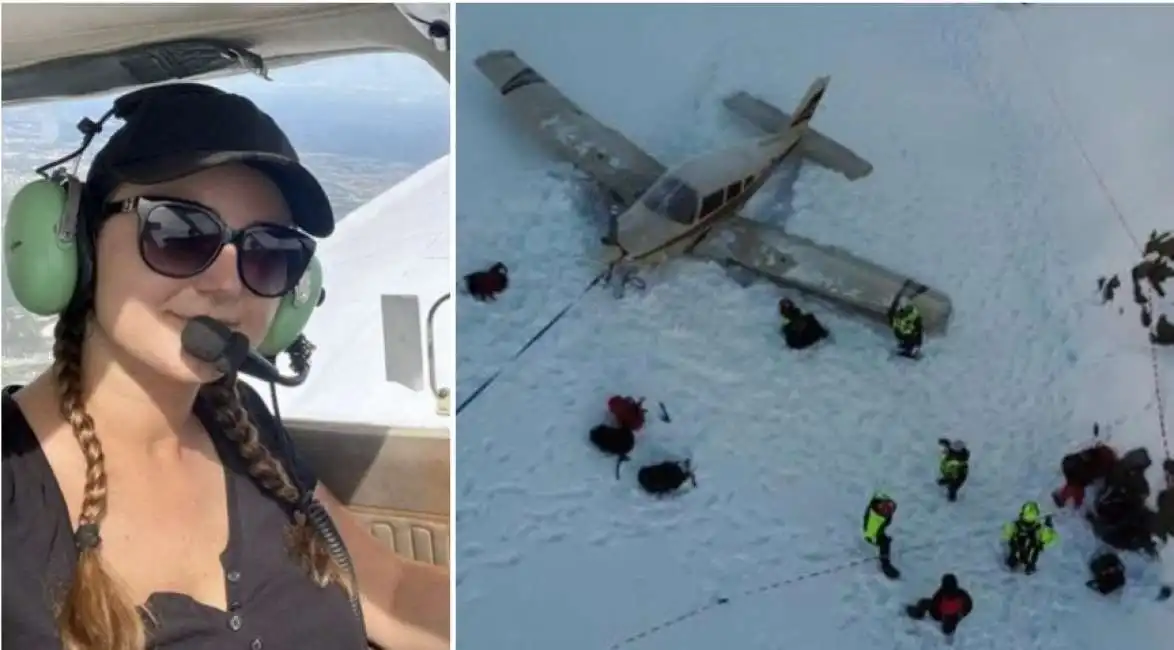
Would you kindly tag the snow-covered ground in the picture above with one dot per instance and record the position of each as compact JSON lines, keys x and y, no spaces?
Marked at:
{"x":396,"y":244}
{"x":979,"y":187}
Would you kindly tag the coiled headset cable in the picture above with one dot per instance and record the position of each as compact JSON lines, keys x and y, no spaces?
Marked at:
{"x":300,"y":352}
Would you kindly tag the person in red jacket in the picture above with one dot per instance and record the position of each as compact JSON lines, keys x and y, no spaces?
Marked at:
{"x":949,"y":605}
{"x":629,"y":412}
{"x":1082,"y":469}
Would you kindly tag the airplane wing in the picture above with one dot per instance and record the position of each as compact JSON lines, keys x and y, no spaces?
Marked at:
{"x":826,"y":271}
{"x":598,"y":150}
{"x":816,"y":147}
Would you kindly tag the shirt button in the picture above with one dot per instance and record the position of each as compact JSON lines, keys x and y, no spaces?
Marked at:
{"x":234,"y":576}
{"x":234,"y":623}
{"x":255,"y":645}
{"x":233,"y":606}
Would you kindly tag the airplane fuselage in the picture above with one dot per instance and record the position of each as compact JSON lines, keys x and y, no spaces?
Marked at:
{"x":690,"y":199}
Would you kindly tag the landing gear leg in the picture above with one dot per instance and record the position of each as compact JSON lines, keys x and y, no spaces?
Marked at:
{"x":621,"y":276}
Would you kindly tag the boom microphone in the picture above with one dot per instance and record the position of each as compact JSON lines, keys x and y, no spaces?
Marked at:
{"x":211,"y":341}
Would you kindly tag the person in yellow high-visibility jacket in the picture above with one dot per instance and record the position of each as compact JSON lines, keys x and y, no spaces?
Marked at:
{"x":1027,"y":537}
{"x":877,"y":518}
{"x":955,"y":466}
{"x":905,"y":320}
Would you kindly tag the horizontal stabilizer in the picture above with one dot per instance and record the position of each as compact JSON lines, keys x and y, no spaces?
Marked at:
{"x":816,"y":147}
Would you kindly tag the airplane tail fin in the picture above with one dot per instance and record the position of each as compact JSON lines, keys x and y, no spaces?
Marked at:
{"x":806,"y":109}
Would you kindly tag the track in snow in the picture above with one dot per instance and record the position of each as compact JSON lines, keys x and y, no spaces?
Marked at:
{"x":979,"y":189}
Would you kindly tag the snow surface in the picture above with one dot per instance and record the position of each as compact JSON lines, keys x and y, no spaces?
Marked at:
{"x":979,"y":188}
{"x":398,"y":243}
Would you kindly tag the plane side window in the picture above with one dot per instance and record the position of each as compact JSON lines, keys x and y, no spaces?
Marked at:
{"x":733,"y":189}
{"x":711,"y":203}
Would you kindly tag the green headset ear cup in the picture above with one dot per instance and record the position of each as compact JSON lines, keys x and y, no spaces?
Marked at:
{"x":40,"y":266}
{"x":294,"y":312}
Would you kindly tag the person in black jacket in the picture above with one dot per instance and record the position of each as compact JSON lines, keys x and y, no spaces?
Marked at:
{"x":801,"y":329}
{"x":1163,"y":520}
{"x":1120,"y":516}
{"x":1084,"y":468}
{"x":948,"y":605}
{"x":1163,"y":332}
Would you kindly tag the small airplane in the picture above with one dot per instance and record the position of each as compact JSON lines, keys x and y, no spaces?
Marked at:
{"x":692,"y":208}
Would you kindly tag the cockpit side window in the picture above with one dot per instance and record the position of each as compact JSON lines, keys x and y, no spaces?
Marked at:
{"x":733,"y":189}
{"x":659,"y":191}
{"x":674,"y":199}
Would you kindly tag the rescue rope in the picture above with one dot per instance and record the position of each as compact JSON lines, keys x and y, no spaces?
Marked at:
{"x":718,"y":602}
{"x":697,"y":611}
{"x":1161,"y":402}
{"x":605,"y":276}
{"x":1067,"y":122}
{"x":721,"y":601}
{"x":529,"y":343}
{"x":780,"y":584}
{"x":1117,"y":211}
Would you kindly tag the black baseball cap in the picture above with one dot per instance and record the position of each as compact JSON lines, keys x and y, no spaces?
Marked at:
{"x":174,"y":130}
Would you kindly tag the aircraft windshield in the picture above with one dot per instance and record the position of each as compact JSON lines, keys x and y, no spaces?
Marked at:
{"x":673,"y":198}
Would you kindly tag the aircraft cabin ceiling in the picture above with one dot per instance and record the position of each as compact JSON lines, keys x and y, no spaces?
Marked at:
{"x":68,"y":50}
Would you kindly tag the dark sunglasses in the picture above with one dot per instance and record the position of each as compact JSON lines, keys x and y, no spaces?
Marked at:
{"x":181,"y":239}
